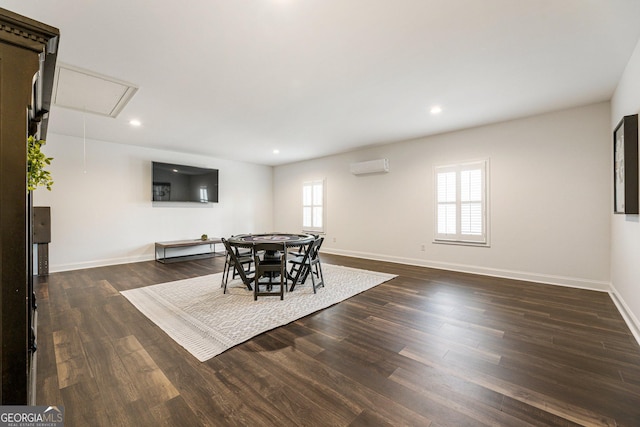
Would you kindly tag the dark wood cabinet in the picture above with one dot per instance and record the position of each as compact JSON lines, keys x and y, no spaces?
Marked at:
{"x":27,"y":65}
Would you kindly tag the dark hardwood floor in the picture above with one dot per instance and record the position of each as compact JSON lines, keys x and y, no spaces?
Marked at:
{"x":428,"y":348}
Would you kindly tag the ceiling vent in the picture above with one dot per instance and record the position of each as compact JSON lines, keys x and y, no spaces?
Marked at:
{"x":372,"y":166}
{"x":84,"y":90}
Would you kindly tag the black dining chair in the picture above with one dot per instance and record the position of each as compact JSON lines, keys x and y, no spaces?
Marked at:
{"x":243,"y":250}
{"x":237,"y":263}
{"x":273,"y":263}
{"x":299,"y":251}
{"x":308,"y":265}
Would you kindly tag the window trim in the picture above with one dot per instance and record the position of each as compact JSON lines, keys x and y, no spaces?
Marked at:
{"x":315,"y":230}
{"x":458,"y":238}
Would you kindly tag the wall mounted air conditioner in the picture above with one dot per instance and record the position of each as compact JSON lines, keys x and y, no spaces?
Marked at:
{"x":372,"y":166}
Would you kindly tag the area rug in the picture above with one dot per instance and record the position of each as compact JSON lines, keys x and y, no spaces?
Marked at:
{"x":206,"y":322}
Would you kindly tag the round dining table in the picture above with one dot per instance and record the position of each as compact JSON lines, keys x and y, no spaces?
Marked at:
{"x":291,"y":239}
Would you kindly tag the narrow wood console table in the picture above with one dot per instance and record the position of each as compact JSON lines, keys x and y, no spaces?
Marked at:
{"x":162,"y":248}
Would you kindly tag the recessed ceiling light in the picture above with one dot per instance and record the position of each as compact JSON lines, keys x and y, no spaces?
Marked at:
{"x":436,"y":109}
{"x":135,"y":123}
{"x":276,"y":151}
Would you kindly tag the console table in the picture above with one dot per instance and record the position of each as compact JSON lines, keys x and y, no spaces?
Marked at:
{"x":162,"y":248}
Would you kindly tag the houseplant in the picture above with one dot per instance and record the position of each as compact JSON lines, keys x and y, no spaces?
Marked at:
{"x":36,"y":163}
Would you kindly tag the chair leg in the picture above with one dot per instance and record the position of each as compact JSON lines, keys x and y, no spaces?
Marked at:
{"x":283,"y":281}
{"x":313,"y":280}
{"x":225,"y":274}
{"x":270,"y":284}
{"x":316,"y":272}
{"x":321,"y":276}
{"x":246,"y":270}
{"x":224,"y":269}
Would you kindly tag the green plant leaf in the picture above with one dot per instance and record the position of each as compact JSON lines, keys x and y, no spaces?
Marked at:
{"x":36,"y":160}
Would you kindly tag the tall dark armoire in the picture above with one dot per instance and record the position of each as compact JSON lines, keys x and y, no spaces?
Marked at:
{"x":27,"y":67}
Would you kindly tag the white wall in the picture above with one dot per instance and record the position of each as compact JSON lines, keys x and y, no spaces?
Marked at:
{"x":105,"y":216}
{"x":550,"y":195}
{"x":625,"y":229}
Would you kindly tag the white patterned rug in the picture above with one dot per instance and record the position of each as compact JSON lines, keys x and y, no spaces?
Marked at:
{"x":206,"y":322}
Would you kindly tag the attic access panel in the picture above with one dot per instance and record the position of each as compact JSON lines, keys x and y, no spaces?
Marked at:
{"x":90,"y":92}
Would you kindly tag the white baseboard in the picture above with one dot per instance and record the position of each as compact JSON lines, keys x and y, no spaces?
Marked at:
{"x":573,"y":282}
{"x":630,"y":319}
{"x":56,"y":268}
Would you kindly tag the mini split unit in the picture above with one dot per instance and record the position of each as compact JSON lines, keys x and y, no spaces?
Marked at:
{"x":372,"y":166}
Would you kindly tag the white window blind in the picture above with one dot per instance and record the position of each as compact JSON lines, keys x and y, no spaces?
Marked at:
{"x":461,"y":193}
{"x":313,"y":206}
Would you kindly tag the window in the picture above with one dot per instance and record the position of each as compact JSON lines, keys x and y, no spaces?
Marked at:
{"x":461,"y":203}
{"x":313,"y":206}
{"x":204,"y":194}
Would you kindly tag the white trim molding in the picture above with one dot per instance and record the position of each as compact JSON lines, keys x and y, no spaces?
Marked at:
{"x":630,"y":319}
{"x":572,"y":282}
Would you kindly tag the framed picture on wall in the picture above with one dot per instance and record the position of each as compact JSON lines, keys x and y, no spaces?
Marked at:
{"x":625,"y":166}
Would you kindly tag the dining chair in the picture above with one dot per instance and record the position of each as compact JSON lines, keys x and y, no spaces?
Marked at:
{"x":243,"y":250}
{"x":299,"y":261}
{"x":238,"y":263}
{"x":299,"y":251}
{"x":308,"y":265}
{"x":244,"y":254}
{"x":272,"y":263}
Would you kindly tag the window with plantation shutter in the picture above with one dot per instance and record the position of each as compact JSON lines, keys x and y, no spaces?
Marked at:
{"x":313,"y":206}
{"x":461,"y":203}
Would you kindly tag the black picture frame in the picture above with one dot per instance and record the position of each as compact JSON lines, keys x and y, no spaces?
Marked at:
{"x":625,"y":166}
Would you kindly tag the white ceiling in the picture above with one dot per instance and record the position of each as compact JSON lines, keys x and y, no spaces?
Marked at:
{"x":238,"y":79}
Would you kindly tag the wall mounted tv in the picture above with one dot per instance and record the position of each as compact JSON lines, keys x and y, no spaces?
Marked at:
{"x":180,"y":183}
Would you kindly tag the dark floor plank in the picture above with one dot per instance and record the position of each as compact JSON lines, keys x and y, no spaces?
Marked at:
{"x":150,"y":382}
{"x":430,"y":348}
{"x":71,"y":362}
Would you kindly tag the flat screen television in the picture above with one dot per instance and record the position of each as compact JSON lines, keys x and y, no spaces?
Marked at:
{"x":181,"y":183}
